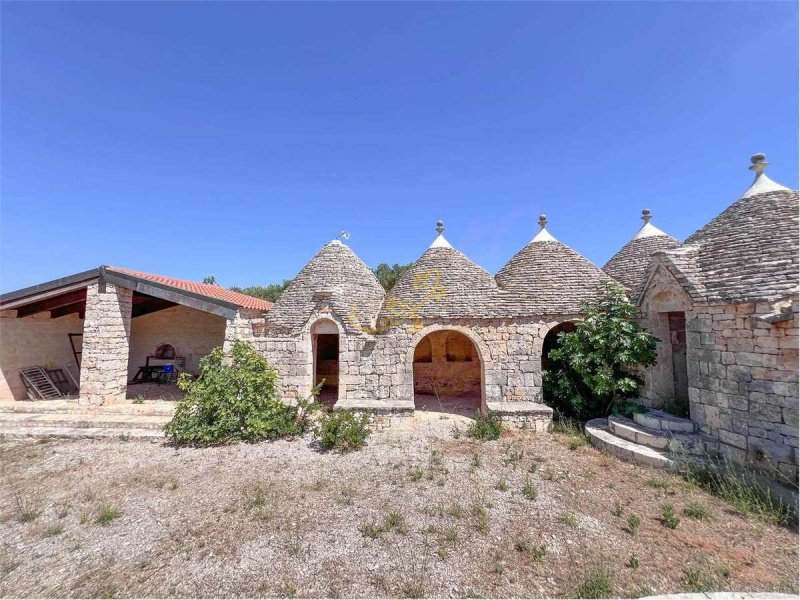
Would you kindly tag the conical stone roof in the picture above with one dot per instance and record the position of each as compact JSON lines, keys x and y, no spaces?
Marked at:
{"x":548,"y":277}
{"x":629,"y":265}
{"x":335,"y":277}
{"x":442,"y":283}
{"x":749,"y":252}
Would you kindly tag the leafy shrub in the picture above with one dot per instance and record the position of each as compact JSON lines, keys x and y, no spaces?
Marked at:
{"x":234,"y":399}
{"x":341,"y":430}
{"x":485,"y":427}
{"x":591,"y":369}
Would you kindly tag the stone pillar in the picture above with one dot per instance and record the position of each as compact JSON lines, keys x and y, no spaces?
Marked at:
{"x":241,"y":327}
{"x":106,"y":344}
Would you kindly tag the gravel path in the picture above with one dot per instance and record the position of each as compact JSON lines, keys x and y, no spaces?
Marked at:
{"x":416,"y":513}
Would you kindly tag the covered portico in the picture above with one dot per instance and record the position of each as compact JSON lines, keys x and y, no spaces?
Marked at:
{"x":100,"y":327}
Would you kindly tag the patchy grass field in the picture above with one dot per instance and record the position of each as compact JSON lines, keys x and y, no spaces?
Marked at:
{"x":416,"y":513}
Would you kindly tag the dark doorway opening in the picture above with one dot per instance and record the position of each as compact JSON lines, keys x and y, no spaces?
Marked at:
{"x":326,"y":366}
{"x":680,"y":376}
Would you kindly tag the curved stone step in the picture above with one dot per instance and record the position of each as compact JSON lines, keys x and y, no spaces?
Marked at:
{"x":599,"y":434}
{"x":658,"y":419}
{"x":696,"y":443}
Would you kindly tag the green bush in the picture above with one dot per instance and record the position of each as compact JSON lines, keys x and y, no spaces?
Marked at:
{"x":591,"y":369}
{"x":341,"y":430}
{"x":485,"y":427}
{"x":234,"y":399}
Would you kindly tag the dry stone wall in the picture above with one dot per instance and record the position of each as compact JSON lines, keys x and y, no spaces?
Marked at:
{"x":379,"y":367}
{"x":743,"y":381}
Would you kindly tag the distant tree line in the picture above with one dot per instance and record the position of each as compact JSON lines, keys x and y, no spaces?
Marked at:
{"x":387,"y":275}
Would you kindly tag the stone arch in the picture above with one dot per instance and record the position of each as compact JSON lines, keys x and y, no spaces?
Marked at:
{"x":550,"y":339}
{"x":481,"y":353}
{"x":550,"y":342}
{"x":323,"y":366}
{"x":665,"y":309}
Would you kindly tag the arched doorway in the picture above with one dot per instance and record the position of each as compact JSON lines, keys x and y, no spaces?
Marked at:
{"x":550,"y":343}
{"x":447,"y":373}
{"x":325,"y":350}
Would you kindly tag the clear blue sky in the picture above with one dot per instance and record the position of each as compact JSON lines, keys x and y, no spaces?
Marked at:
{"x":237,"y":139}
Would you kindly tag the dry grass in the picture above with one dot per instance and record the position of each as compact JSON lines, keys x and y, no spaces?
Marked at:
{"x":416,"y":513}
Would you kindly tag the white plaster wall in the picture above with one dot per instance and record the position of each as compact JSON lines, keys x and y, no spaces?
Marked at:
{"x":37,"y":340}
{"x":193,"y":333}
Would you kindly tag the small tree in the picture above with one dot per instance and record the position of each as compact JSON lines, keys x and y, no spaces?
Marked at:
{"x":390,"y":275}
{"x":234,"y":399}
{"x":210,"y":280}
{"x":269,"y":292}
{"x":592,"y":369}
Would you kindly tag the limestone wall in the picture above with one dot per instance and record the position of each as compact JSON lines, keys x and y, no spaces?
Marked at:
{"x":380,"y":366}
{"x":192,"y":332}
{"x":37,"y":340}
{"x":743,"y":381}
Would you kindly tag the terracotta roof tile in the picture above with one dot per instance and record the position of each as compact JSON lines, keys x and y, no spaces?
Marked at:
{"x":204,"y":289}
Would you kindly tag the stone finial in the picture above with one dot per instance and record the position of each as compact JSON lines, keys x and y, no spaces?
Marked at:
{"x":439,"y":227}
{"x":759,"y":161}
{"x":542,"y":221}
{"x":345,"y":235}
{"x":646,"y":216}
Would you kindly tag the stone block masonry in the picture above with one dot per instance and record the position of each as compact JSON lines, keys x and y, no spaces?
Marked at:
{"x":743,"y":381}
{"x":106,"y":344}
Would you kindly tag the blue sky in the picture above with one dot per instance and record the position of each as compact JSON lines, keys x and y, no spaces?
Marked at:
{"x":238,"y":138}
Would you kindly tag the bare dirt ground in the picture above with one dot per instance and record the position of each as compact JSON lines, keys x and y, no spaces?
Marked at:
{"x":416,"y":513}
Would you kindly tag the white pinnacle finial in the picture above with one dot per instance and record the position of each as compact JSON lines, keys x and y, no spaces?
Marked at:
{"x":762,"y":183}
{"x":543,"y":235}
{"x":759,"y":160}
{"x":440,"y":242}
{"x":648,"y":229}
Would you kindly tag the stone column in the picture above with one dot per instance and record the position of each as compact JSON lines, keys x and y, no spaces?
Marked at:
{"x":106,"y":344}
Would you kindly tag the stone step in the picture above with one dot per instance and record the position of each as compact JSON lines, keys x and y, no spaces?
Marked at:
{"x":80,"y":433}
{"x":658,"y":419}
{"x":81,"y":421}
{"x":146,"y":408}
{"x":696,"y":443}
{"x":599,"y":434}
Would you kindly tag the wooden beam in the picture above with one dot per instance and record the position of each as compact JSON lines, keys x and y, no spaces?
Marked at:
{"x":52,"y":303}
{"x":77,"y":307}
{"x":151,"y":306}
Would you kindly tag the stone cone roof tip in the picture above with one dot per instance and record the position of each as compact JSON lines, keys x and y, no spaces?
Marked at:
{"x":354,"y":293}
{"x":629,"y":265}
{"x":543,"y":235}
{"x":762,"y":184}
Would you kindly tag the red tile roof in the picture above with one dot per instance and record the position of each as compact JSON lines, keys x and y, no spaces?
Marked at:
{"x":204,"y":289}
